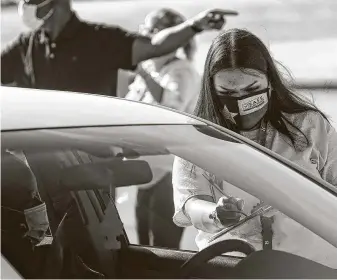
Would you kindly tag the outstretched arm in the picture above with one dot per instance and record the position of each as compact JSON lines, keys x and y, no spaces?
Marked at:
{"x":170,"y":39}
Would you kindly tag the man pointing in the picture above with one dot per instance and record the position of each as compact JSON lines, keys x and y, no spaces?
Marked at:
{"x":63,"y":52}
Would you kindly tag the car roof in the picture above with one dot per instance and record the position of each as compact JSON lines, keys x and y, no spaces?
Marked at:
{"x":39,"y":109}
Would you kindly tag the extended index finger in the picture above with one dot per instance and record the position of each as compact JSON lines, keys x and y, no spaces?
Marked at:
{"x":224,"y":12}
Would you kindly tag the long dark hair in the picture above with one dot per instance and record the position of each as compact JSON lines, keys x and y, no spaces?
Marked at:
{"x":169,"y":18}
{"x":246,"y":46}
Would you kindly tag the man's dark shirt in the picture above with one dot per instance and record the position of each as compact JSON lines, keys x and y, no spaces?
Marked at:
{"x":85,"y":57}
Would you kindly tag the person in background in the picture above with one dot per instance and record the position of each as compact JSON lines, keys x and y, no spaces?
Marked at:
{"x":63,"y":52}
{"x":173,"y":82}
{"x":243,"y":91}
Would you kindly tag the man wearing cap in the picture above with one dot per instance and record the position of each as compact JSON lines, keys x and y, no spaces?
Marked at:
{"x":63,"y":52}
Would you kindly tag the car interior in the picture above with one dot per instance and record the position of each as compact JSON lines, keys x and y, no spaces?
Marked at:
{"x":90,"y":241}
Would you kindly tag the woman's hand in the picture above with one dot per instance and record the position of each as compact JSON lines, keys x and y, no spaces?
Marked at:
{"x":228,"y":210}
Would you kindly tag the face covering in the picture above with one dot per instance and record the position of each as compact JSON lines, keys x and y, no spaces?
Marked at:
{"x":37,"y":222}
{"x":28,"y":14}
{"x":245,"y":105}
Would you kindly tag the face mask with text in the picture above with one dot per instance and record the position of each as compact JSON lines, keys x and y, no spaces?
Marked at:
{"x":245,"y":105}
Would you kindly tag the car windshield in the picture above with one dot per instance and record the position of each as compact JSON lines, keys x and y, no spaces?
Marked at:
{"x":142,"y":156}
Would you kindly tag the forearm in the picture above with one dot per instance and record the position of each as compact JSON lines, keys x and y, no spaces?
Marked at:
{"x":199,"y":211}
{"x":171,"y":39}
{"x":153,"y":85}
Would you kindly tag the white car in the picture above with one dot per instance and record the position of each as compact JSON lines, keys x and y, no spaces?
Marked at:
{"x":121,"y":135}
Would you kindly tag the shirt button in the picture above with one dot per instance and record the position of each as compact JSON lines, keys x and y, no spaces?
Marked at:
{"x":53,"y":45}
{"x":52,"y":55}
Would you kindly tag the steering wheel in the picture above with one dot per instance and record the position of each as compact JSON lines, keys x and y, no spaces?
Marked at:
{"x":214,"y":250}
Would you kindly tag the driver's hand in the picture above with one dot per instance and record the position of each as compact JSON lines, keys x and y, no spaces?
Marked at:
{"x":228,"y":210}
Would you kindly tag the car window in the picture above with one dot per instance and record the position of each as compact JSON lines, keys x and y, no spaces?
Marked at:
{"x":132,"y":166}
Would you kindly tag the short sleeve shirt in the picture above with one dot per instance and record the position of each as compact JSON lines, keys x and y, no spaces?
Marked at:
{"x":181,"y":83}
{"x":85,"y":57}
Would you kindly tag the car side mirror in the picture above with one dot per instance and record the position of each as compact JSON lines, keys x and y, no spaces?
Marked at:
{"x":104,"y":175}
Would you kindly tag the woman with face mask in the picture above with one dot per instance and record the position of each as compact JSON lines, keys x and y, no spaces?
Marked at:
{"x":171,"y":81}
{"x":242,"y":90}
